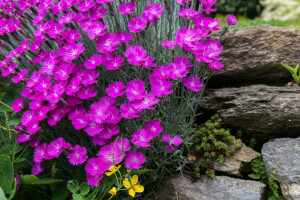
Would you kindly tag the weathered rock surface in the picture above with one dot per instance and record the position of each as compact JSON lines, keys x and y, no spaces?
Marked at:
{"x":283,"y":156}
{"x":219,"y":188}
{"x":253,"y":55}
{"x":262,"y":111}
{"x":238,"y":161}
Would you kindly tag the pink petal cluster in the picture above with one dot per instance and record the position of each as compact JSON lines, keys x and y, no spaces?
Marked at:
{"x":176,"y":140}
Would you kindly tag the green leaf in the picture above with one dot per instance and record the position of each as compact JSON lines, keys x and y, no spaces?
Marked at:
{"x":28,"y":179}
{"x":77,"y":197}
{"x":2,"y":195}
{"x":46,"y":181}
{"x":13,"y":191}
{"x":254,"y":176}
{"x":84,"y":188}
{"x":14,"y":122}
{"x":73,"y":186}
{"x":19,"y":160}
{"x":6,"y":174}
{"x":140,"y":171}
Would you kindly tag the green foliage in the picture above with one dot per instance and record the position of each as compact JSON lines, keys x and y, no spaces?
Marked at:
{"x":260,"y":173}
{"x":250,"y":9}
{"x":212,"y":143}
{"x":294,"y":71}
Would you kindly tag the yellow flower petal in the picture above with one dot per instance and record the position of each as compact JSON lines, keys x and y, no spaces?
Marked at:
{"x":138,"y":188}
{"x":119,"y":166}
{"x":113,"y":191}
{"x":126,"y":183}
{"x":131,"y":192}
{"x":112,"y":168}
{"x":108,"y":173}
{"x":134,"y":180}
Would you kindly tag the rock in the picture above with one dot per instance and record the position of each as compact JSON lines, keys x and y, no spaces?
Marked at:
{"x":237,"y":162}
{"x":219,"y":188}
{"x":283,"y":156}
{"x":261,"y":111}
{"x":253,"y":55}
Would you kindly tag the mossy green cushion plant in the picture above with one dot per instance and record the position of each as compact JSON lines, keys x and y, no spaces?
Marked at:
{"x":294,"y":71}
{"x":212,"y":143}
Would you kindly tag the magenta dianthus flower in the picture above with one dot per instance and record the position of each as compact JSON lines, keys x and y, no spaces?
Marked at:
{"x":137,"y":24}
{"x":93,"y":128}
{"x":215,"y":65}
{"x":136,"y":55}
{"x":176,"y":140}
{"x":93,"y":61}
{"x":99,"y":140}
{"x":129,"y":111}
{"x":193,"y":83}
{"x":135,"y":90}
{"x":151,"y":12}
{"x":94,"y":180}
{"x":37,"y":168}
{"x":231,"y":20}
{"x":40,"y":153}
{"x":55,"y":148}
{"x":107,"y":43}
{"x":77,"y":155}
{"x":109,"y":130}
{"x":127,"y":8}
{"x":96,"y":166}
{"x":141,"y":138}
{"x":115,"y":89}
{"x":188,"y":13}
{"x":23,"y":138}
{"x":153,"y":127}
{"x":134,"y":160}
{"x":17,"y":105}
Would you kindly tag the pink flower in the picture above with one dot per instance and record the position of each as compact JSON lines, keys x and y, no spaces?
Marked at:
{"x":193,"y":83}
{"x":41,"y":56}
{"x":147,"y":102}
{"x":77,"y":155}
{"x":86,"y":92}
{"x":17,"y":105}
{"x":171,"y":44}
{"x":160,"y":87}
{"x":151,"y":12}
{"x":34,"y":142}
{"x":179,"y":68}
{"x":110,"y":154}
{"x":188,"y":35}
{"x":93,"y":128}
{"x":109,"y":130}
{"x":231,"y":20}
{"x":135,"y":90}
{"x":37,"y":168}
{"x":153,"y":127}
{"x":98,"y":13}
{"x":188,"y":13}
{"x":39,"y":17}
{"x":107,"y":43}
{"x":96,"y":30}
{"x":63,"y":71}
{"x":122,"y":144}
{"x":134,"y":160}
{"x":115,"y":89}
{"x":72,"y":100}
{"x":86,"y":5}
{"x":137,"y":24}
{"x":9,"y":69}
{"x":127,"y":8}
{"x":55,"y":31}
{"x":149,"y":63}
{"x":89,"y":77}
{"x":23,"y":138}
{"x":136,"y":55}
{"x":99,"y":140}
{"x":182,"y":2}
{"x":207,"y":4}
{"x":94,"y":180}
{"x":176,"y":140}
{"x":96,"y":166}
{"x":124,"y":37}
{"x":81,"y":121}
{"x":162,"y":72}
{"x":215,"y":65}
{"x":141,"y":138}
{"x":73,"y":86}
{"x":55,"y":148}
{"x":72,"y":35}
{"x":114,"y":116}
{"x":23,"y":47}
{"x":72,"y":51}
{"x":129,"y":111}
{"x":98,"y":112}
{"x":112,"y":62}
{"x":40,"y":153}
{"x":66,"y":18}
{"x":93,"y":61}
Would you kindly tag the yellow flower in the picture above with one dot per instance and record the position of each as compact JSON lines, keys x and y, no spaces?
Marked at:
{"x":112,"y":170}
{"x":113,"y":191}
{"x":133,"y":187}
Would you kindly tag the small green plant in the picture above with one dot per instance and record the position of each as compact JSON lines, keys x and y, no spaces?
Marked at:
{"x":260,"y":173}
{"x":294,"y":71}
{"x":212,"y":144}
{"x":252,"y":143}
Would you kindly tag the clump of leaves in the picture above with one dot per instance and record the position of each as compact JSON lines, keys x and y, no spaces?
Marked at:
{"x":294,"y":71}
{"x":260,"y":173}
{"x":212,"y":143}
